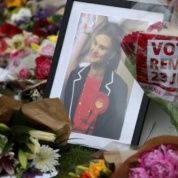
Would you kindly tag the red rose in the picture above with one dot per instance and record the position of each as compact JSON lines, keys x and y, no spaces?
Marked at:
{"x":43,"y":65}
{"x":3,"y":46}
{"x":9,"y":30}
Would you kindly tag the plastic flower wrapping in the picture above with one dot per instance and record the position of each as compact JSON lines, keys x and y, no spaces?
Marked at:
{"x":151,"y":57}
{"x":28,"y":34}
{"x":157,"y":158}
{"x":31,"y":137}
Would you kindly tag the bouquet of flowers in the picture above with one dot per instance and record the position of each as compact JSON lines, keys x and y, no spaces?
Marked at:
{"x":95,"y":169}
{"x":157,"y":158}
{"x":30,"y":137}
{"x":22,"y":153}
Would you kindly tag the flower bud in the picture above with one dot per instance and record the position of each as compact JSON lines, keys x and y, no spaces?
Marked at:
{"x":41,"y":135}
{"x":34,"y":146}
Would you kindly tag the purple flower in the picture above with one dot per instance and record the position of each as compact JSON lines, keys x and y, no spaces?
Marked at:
{"x":43,"y":13}
{"x":31,"y":173}
{"x":7,"y":163}
{"x":138,"y":172}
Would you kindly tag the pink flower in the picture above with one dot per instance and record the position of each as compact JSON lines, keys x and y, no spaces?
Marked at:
{"x":162,"y":169}
{"x":47,"y":50}
{"x":19,"y":54}
{"x":138,"y":172}
{"x":24,"y":74}
{"x":32,"y":39}
{"x":160,"y":162}
{"x":43,"y":65}
{"x":150,"y":158}
{"x":172,"y":156}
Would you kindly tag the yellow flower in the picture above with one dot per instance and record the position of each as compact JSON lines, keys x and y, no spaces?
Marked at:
{"x":96,"y":168}
{"x":35,"y":47}
{"x":53,"y":38}
{"x":14,"y":3}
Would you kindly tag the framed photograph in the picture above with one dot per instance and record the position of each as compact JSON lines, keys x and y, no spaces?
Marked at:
{"x":104,"y":102}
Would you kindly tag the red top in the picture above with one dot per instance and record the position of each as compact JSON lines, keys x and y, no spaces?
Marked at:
{"x":84,"y":110}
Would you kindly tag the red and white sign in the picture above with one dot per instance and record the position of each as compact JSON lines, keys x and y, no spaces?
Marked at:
{"x":157,"y":65}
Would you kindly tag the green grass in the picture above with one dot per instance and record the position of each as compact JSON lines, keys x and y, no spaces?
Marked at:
{"x":71,"y":156}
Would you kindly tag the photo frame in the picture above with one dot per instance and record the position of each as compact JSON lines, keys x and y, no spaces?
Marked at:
{"x":83,"y":19}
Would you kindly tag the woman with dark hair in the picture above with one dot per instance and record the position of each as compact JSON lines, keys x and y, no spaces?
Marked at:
{"x":95,"y":95}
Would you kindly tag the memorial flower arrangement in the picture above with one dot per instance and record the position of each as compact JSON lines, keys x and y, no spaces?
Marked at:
{"x":31,"y":136}
{"x":157,"y":158}
{"x":26,"y":152}
{"x":161,"y":161}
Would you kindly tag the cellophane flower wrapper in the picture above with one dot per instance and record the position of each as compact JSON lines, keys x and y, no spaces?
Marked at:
{"x":152,"y":58}
{"x":157,"y":158}
{"x":47,"y":114}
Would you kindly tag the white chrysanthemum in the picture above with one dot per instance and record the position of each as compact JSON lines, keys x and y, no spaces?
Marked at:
{"x":46,"y":159}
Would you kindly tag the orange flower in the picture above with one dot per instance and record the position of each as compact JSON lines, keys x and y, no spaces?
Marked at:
{"x":14,"y":3}
{"x":96,"y":168}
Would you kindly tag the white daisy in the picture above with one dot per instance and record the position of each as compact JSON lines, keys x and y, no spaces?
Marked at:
{"x":46,"y":159}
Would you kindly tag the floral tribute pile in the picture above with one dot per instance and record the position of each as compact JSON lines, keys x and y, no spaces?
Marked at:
{"x":28,"y":35}
{"x":95,"y":169}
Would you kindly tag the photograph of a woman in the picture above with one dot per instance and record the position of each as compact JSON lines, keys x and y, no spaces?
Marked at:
{"x":95,"y":95}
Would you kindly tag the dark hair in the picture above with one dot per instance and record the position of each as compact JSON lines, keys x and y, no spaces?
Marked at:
{"x":115,"y":33}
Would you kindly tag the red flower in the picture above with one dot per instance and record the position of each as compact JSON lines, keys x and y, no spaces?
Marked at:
{"x":3,"y":46}
{"x":24,"y":74}
{"x":40,"y":28}
{"x":43,"y":65}
{"x":85,"y":175}
{"x":9,"y":30}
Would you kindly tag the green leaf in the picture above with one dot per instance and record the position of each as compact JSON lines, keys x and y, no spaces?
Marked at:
{"x":71,"y":174}
{"x":7,"y":147}
{"x":4,"y":129}
{"x":22,"y":157}
{"x":3,"y":141}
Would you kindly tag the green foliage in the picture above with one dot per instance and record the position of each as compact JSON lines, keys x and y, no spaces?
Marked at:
{"x":71,"y":156}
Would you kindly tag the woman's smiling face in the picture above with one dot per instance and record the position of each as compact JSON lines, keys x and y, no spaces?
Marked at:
{"x":99,"y":49}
